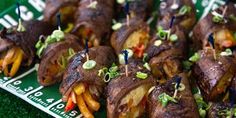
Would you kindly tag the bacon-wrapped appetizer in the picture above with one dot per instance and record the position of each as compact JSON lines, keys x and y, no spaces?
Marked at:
{"x":127,"y":94}
{"x":94,"y":19}
{"x":55,"y":56}
{"x":173,"y":99}
{"x":82,"y":84}
{"x":213,"y":75}
{"x":166,"y":51}
{"x":221,"y":23}
{"x":18,"y":47}
{"x":183,"y":10}
{"x":67,"y":9}
{"x":221,"y":110}
{"x":134,"y":37}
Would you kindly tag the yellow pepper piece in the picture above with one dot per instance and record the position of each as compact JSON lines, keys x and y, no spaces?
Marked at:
{"x":79,"y":89}
{"x":94,"y":105}
{"x":83,"y":108}
{"x":16,"y":63}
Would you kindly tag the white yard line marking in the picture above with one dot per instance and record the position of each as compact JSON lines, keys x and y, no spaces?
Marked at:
{"x":79,"y":116}
{"x":206,"y":11}
{"x":40,"y":17}
{"x":20,"y":76}
{"x":55,"y":103}
{"x":32,"y":103}
{"x":36,"y":89}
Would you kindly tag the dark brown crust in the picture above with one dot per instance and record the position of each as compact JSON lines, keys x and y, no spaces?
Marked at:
{"x":53,"y":7}
{"x":119,"y":37}
{"x":206,"y":26}
{"x":168,"y":53}
{"x":165,"y":15}
{"x":185,"y":108}
{"x":98,"y":20}
{"x":52,"y":53}
{"x":28,"y":39}
{"x":104,"y":57}
{"x":208,"y":72}
{"x":122,"y":85}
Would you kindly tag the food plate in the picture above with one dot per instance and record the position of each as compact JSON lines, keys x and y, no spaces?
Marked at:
{"x":25,"y":85}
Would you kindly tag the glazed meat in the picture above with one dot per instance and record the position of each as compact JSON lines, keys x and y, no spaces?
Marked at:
{"x":66,"y":8}
{"x":183,"y":10}
{"x":165,"y":58}
{"x":222,"y":31}
{"x":18,"y":48}
{"x":134,"y":37}
{"x":55,"y":58}
{"x":185,"y":106}
{"x":127,"y":95}
{"x":94,"y":23}
{"x":213,"y":76}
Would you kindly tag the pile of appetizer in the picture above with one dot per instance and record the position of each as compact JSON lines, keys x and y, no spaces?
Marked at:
{"x":107,"y":50}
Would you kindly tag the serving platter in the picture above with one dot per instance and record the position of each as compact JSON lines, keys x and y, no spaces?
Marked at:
{"x":25,"y":85}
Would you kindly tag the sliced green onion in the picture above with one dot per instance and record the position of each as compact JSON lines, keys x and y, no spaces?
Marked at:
{"x":217,"y":19}
{"x":173,"y":37}
{"x":146,"y":65}
{"x":20,"y":27}
{"x":161,"y":33}
{"x":93,"y":5}
{"x":62,"y":62}
{"x":187,"y":65}
{"x":107,"y":75}
{"x":71,"y":53}
{"x":141,"y":75}
{"x":227,"y":52}
{"x":50,"y":40}
{"x":157,"y":43}
{"x":90,"y":64}
{"x":195,"y":57}
{"x":117,"y":26}
{"x":39,"y":44}
{"x":184,"y":10}
{"x":102,"y":71}
{"x":165,"y":98}
{"x":202,"y":113}
{"x":40,"y":50}
{"x":58,"y":35}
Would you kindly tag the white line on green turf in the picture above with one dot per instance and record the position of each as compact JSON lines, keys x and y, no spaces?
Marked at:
{"x":206,"y":11}
{"x":36,"y":89}
{"x":53,"y":104}
{"x":20,"y":76}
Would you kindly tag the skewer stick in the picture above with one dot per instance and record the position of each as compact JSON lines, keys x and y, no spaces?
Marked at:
{"x":178,"y":81}
{"x":127,"y":12}
{"x":86,"y":50}
{"x":171,"y":25}
{"x":59,"y":21}
{"x":125,"y":52}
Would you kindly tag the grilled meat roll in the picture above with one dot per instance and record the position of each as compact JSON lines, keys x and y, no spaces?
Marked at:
{"x":134,"y":37}
{"x":164,"y":55}
{"x":94,"y":21}
{"x":67,"y":9}
{"x":213,"y":76}
{"x":183,"y":10}
{"x":55,"y":58}
{"x":127,"y":95}
{"x":85,"y":84}
{"x":185,"y":106}
{"x":220,"y":110}
{"x":18,"y":47}
{"x":223,"y":30}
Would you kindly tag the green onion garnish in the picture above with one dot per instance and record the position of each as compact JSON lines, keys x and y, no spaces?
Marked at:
{"x":117,"y":26}
{"x":146,"y":65}
{"x":141,"y":75}
{"x":90,"y":64}
{"x":20,"y":27}
{"x":157,"y":43}
{"x":145,"y":57}
{"x":161,"y":33}
{"x":184,"y":10}
{"x":217,"y":19}
{"x":232,"y":17}
{"x":187,"y":65}
{"x":173,"y":37}
{"x":202,"y":105}
{"x":227,"y":52}
{"x":109,"y":74}
{"x":165,"y":98}
{"x":58,"y":35}
{"x":195,"y":57}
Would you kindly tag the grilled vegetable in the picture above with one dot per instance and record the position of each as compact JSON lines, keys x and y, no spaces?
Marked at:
{"x":183,"y":10}
{"x":94,"y":21}
{"x":183,"y":107}
{"x":127,"y":95}
{"x":213,"y":76}
{"x":66,"y":8}
{"x":165,"y":58}
{"x":18,"y":48}
{"x":134,"y":37}
{"x":223,"y":32}
{"x":55,"y":59}
{"x":86,"y":84}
